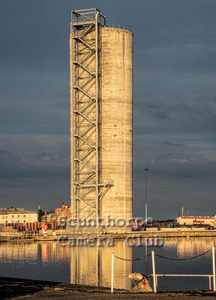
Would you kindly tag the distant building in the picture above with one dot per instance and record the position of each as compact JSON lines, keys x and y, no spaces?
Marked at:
{"x":65,"y":211}
{"x":17,"y":215}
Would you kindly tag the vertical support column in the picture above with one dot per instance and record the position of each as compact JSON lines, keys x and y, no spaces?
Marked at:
{"x":213,"y":268}
{"x":97,"y":118}
{"x":112,"y":273}
{"x":153,"y":271}
{"x":71,"y":118}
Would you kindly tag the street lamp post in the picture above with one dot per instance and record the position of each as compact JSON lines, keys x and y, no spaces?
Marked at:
{"x":146,"y":209}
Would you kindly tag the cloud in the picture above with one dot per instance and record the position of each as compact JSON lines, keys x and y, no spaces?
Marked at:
{"x":37,"y":103}
{"x":183,"y":120}
{"x":43,"y":157}
{"x":34,"y":170}
{"x":174,"y":100}
{"x":168,"y":110}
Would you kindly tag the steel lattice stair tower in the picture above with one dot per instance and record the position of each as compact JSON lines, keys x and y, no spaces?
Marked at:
{"x":87,"y":189}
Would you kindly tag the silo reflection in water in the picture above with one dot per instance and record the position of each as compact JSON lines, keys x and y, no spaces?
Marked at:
{"x":92,"y":265}
{"x":190,"y":246}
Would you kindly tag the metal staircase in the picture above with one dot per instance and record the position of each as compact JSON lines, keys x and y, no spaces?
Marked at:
{"x":87,"y":188}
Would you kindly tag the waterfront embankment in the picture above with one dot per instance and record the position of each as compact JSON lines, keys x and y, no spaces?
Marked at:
{"x":162,"y":233}
{"x":20,"y":289}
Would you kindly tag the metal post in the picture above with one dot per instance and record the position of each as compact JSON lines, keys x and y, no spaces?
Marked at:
{"x":213,"y":268}
{"x":153,"y":271}
{"x":210,"y":283}
{"x":146,"y":253}
{"x":146,"y":212}
{"x":112,"y":273}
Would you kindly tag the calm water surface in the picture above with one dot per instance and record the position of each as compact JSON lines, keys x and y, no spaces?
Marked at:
{"x":92,"y":265}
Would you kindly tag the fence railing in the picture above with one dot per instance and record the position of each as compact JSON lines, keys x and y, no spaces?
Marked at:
{"x":120,"y":26}
{"x":155,"y":276}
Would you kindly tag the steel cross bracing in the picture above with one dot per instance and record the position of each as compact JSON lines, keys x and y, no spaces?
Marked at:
{"x":87,"y":188}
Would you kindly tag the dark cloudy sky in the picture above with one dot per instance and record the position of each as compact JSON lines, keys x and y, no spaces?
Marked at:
{"x":174,"y":102}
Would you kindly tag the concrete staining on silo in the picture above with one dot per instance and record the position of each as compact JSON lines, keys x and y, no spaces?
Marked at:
{"x":116,"y":120}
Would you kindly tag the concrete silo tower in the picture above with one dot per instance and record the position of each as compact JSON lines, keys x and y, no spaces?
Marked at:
{"x":101,"y":87}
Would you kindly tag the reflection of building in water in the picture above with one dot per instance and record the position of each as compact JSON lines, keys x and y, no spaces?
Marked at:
{"x":92,"y":265}
{"x":190,"y":246}
{"x":50,"y":252}
{"x":170,"y":243}
{"x":46,"y":252}
{"x":193,"y":246}
{"x":19,"y":252}
{"x":89,"y":265}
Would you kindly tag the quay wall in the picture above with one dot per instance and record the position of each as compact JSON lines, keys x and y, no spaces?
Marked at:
{"x":143,"y":234}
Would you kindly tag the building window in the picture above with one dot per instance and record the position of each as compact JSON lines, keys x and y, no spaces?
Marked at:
{"x":18,"y":216}
{"x":24,"y":216}
{"x":12,"y":216}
